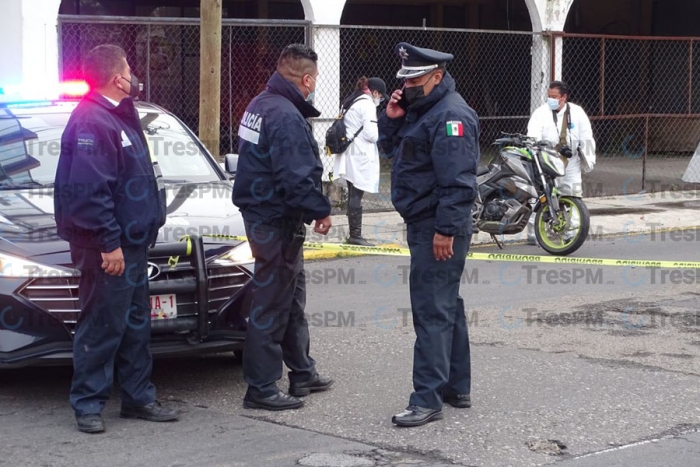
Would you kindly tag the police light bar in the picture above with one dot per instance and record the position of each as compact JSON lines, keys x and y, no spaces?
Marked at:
{"x":23,"y":93}
{"x":73,"y":89}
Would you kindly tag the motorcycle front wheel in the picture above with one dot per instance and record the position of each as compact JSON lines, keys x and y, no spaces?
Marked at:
{"x":564,"y":233}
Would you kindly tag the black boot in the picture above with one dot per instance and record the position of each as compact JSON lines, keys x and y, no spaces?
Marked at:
{"x":355,"y":222}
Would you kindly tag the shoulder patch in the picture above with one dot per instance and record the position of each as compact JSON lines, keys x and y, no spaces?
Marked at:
{"x":455,"y":128}
{"x":249,"y":129}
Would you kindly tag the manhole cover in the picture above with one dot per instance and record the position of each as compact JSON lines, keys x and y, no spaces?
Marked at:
{"x":334,"y":460}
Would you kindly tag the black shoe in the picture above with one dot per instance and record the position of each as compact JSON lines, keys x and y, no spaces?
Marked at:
{"x":153,"y":412}
{"x":316,"y":384}
{"x":460,"y":401}
{"x":416,"y":416}
{"x":279,"y":401}
{"x":359,"y":241}
{"x":91,"y":423}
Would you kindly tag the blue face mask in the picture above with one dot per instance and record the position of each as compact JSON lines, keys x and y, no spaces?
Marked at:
{"x":553,"y":103}
{"x":312,"y":94}
{"x":310,"y":97}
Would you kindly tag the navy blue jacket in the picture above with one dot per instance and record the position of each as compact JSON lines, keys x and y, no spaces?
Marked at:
{"x":279,"y":165}
{"x":435,"y":150}
{"x":106,"y":195}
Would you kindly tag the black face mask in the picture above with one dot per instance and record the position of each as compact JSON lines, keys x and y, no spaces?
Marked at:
{"x":411,"y":95}
{"x":133,"y":86}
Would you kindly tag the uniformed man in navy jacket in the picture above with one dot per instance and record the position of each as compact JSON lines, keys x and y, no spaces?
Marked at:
{"x":433,"y":137}
{"x":109,"y":207}
{"x":278,"y":190}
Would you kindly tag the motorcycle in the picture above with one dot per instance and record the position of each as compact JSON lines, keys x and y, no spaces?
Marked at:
{"x":520,"y":180}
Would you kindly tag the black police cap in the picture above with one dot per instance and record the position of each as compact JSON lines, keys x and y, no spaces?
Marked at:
{"x":417,"y":61}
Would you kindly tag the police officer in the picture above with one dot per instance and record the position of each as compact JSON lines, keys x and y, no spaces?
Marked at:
{"x":278,"y":190}
{"x":433,"y":137}
{"x":109,"y":207}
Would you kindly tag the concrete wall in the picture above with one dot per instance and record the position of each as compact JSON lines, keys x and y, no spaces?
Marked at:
{"x":29,"y":52}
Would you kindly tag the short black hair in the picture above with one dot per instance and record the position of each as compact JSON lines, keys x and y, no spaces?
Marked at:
{"x":297,"y":60}
{"x":102,"y":63}
{"x":561,"y":86}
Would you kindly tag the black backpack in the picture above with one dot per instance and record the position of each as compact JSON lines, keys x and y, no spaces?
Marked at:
{"x":336,"y":136}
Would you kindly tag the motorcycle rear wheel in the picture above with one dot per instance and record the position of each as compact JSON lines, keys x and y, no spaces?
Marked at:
{"x":557,"y":236}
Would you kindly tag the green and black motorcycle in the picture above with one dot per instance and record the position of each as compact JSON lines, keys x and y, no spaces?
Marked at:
{"x":520,"y":180}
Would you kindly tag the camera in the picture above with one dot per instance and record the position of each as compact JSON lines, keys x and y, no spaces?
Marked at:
{"x":566,"y":152}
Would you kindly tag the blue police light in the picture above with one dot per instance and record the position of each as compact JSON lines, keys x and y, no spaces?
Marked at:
{"x":22,"y":94}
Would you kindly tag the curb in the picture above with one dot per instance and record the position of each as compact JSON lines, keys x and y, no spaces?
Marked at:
{"x":319,"y":255}
{"x":316,"y":255}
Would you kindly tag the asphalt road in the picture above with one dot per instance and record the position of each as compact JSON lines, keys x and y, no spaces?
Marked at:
{"x":572,"y":364}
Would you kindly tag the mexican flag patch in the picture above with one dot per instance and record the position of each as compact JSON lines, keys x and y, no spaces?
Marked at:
{"x":455,"y":129}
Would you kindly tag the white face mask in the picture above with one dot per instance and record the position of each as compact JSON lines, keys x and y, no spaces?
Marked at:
{"x":377,"y":101}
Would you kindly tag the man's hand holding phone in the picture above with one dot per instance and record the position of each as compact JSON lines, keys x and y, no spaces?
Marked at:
{"x":394,"y":108}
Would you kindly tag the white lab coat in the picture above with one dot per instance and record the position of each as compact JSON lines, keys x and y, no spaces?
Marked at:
{"x":542,"y":127}
{"x":359,"y":164}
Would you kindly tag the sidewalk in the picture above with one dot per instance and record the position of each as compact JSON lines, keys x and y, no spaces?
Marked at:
{"x":658,"y":214}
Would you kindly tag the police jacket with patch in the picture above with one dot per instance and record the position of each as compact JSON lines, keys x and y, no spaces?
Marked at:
{"x":279,"y":165}
{"x":106,"y":195}
{"x":435,"y":150}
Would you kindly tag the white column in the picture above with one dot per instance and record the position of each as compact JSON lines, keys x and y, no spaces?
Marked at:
{"x":327,"y":99}
{"x":29,"y":38}
{"x":325,"y":16}
{"x":546,"y":15}
{"x":325,"y":12}
{"x":555,"y":18}
{"x":541,"y":74}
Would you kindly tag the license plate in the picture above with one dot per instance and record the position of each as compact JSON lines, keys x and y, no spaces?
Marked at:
{"x":163,"y":306}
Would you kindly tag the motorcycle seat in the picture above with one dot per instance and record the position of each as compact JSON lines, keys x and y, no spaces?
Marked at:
{"x":481,"y":170}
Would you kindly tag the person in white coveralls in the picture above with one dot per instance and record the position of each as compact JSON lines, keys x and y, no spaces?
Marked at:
{"x":566,"y":126}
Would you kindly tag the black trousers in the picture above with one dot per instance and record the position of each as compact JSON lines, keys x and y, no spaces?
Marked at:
{"x":441,"y":357}
{"x":113,"y":330}
{"x":354,"y":197}
{"x":277,"y":328}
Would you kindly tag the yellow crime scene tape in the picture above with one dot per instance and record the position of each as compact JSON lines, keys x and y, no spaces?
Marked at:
{"x":505,"y":257}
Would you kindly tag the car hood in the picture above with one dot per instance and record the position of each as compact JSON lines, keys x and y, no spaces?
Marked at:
{"x":28,"y":225}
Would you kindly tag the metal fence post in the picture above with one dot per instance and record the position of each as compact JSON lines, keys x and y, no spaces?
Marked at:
{"x":602,"y":77}
{"x":690,"y":77}
{"x":148,"y":62}
{"x":59,"y":26}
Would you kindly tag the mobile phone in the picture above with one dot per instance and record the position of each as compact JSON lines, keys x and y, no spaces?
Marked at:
{"x":402,"y":102}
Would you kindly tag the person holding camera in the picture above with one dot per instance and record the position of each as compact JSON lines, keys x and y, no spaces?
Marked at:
{"x":566,"y":126}
{"x":358,"y":165}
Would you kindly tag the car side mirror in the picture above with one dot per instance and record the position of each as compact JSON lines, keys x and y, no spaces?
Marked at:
{"x":231,"y":163}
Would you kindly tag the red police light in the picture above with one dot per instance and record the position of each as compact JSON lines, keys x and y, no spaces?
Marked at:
{"x":73,"y":89}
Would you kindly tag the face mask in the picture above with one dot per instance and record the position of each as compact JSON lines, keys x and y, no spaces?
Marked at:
{"x":377,"y":101}
{"x":312,"y":94}
{"x":412,"y":94}
{"x":310,"y":97}
{"x":133,"y":86}
{"x":553,"y":103}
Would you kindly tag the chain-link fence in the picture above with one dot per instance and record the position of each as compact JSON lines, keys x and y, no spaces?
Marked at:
{"x":637,"y":91}
{"x":639,"y":94}
{"x":496,"y":72}
{"x":165,"y":54}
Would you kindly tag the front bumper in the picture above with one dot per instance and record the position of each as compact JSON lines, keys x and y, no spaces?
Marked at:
{"x":38,"y":318}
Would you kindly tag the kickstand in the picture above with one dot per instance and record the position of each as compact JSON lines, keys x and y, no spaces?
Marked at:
{"x":495,"y":239}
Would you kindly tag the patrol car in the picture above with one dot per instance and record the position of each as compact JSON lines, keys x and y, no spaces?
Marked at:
{"x":199,"y":270}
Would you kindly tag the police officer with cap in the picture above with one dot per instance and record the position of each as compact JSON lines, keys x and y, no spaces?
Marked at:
{"x":433,"y":137}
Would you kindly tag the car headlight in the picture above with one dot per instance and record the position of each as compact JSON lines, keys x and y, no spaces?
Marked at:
{"x":240,"y":254}
{"x":12,"y":266}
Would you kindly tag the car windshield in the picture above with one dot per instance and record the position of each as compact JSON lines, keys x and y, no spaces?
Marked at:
{"x":30,"y":144}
